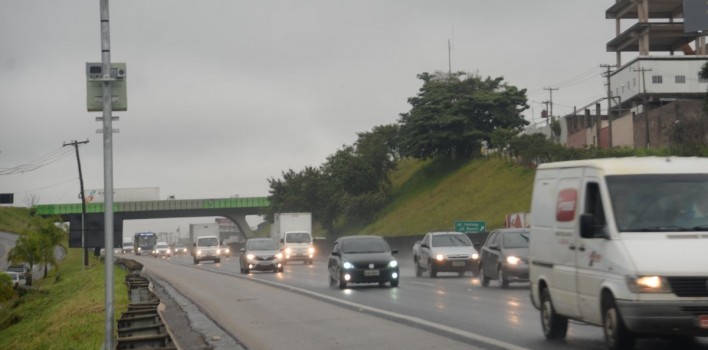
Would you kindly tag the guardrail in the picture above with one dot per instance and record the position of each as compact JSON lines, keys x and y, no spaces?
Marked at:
{"x":141,"y":326}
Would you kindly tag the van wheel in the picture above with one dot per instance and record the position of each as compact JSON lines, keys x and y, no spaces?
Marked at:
{"x":617,"y":336}
{"x":432,"y":270}
{"x":554,"y":326}
{"x":196,"y":261}
{"x":503,"y":281}
{"x":418,"y":270}
{"x":483,"y":278}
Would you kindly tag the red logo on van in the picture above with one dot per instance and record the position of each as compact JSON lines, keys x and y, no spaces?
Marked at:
{"x":565,"y":204}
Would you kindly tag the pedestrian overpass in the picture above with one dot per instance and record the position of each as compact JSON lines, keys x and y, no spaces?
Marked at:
{"x":234,"y":209}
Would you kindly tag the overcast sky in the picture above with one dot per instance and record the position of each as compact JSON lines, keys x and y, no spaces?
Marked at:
{"x":223,"y":95}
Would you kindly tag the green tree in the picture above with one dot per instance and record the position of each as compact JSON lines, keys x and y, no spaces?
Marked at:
{"x":50,"y":237}
{"x":453,"y":113}
{"x":26,"y":251}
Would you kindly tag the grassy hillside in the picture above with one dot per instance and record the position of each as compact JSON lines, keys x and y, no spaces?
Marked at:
{"x":430,"y":195}
{"x":64,"y":310}
{"x":13,"y":219}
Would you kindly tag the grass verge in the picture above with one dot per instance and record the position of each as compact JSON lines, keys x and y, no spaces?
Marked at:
{"x":65,"y":310}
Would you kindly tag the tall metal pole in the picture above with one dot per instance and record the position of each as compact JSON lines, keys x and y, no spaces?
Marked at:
{"x":83,"y":198}
{"x":107,"y":170}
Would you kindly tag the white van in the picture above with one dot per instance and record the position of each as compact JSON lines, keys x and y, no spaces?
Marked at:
{"x":621,"y":243}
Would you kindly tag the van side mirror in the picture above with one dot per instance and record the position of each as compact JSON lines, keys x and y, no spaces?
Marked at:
{"x":588,"y":228}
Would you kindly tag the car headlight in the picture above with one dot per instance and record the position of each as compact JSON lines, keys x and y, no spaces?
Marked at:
{"x":279,"y":255}
{"x":311,"y":250}
{"x":287,"y":251}
{"x":648,"y":284}
{"x":226,"y":250}
{"x":199,"y":252}
{"x":347,"y":265}
{"x":168,"y":251}
{"x":250,"y":256}
{"x":440,"y":257}
{"x":475,"y":256}
{"x":513,"y":260}
{"x":393,"y":263}
{"x":139,"y":249}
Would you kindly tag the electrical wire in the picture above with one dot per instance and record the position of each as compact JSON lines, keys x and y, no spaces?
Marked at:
{"x":39,"y":162}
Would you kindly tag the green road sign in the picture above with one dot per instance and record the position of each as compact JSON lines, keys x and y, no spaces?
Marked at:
{"x":470,"y":226}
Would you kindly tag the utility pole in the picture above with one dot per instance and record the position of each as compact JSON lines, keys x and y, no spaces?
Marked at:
{"x":644,"y":105}
{"x":449,"y":58}
{"x":83,"y":200}
{"x":107,"y":170}
{"x":550,"y":90}
{"x":609,"y":113}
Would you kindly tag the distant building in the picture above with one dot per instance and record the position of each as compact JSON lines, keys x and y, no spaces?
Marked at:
{"x":650,"y":93}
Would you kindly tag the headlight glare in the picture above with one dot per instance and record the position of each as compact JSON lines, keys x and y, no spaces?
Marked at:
{"x":250,"y":256}
{"x":311,"y":250}
{"x":347,"y":265}
{"x":475,"y":256}
{"x":440,"y":257}
{"x":279,"y":255}
{"x":513,"y":260}
{"x":648,"y":284}
{"x":393,"y":263}
{"x":287,"y":251}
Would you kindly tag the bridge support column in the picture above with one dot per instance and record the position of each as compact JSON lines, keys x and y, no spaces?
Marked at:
{"x":240,"y":221}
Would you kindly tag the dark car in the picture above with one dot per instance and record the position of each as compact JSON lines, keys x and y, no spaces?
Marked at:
{"x":261,"y":254}
{"x":362,"y":259}
{"x":505,"y":257}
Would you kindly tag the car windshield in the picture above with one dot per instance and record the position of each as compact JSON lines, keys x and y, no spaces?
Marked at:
{"x":161,"y":245}
{"x":451,"y":240}
{"x":298,"y":237}
{"x":207,"y":242}
{"x":128,"y":244}
{"x":653,"y":203}
{"x":262,"y":244}
{"x":517,"y":239}
{"x":365,"y":245}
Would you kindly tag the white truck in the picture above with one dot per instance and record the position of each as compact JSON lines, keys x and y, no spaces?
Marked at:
{"x":205,"y":242}
{"x":294,"y":232}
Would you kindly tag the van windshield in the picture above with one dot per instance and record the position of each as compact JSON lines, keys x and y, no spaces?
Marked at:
{"x":298,"y":237}
{"x":208,"y":242}
{"x":659,"y":203}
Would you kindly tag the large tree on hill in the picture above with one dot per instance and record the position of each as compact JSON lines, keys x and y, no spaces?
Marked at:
{"x":453,"y":113}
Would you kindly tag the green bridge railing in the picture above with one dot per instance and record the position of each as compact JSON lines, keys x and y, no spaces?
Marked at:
{"x":171,"y":204}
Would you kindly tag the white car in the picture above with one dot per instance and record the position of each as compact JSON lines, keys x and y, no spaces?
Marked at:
{"x":17,"y":280}
{"x":162,"y":250}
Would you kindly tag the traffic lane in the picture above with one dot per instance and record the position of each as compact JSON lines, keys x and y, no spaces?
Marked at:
{"x":461,"y":302}
{"x":263,"y":317}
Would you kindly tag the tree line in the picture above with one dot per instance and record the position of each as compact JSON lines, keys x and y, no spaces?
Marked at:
{"x":456,"y":116}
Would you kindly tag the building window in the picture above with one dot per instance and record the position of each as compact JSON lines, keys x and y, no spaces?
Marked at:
{"x":656,"y":79}
{"x":680,"y":79}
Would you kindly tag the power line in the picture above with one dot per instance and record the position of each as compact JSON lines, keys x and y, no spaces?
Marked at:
{"x":37,"y":163}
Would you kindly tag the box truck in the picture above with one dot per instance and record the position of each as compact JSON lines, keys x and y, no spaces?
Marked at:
{"x":294,"y":232}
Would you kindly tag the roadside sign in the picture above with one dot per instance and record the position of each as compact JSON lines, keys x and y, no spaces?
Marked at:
{"x":470,"y":226}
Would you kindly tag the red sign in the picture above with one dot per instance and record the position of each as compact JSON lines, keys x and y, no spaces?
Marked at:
{"x":565,"y":204}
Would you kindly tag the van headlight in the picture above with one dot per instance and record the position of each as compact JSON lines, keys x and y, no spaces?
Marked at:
{"x":648,"y":284}
{"x":311,"y":250}
{"x":250,"y":256}
{"x":279,"y":255}
{"x":475,"y":256}
{"x":440,"y":257}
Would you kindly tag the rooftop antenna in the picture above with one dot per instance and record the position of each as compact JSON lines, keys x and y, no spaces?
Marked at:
{"x":449,"y":53}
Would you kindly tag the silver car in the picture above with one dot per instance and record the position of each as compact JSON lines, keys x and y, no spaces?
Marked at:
{"x":445,"y":252}
{"x":261,"y":254}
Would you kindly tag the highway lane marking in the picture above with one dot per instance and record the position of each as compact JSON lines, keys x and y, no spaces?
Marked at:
{"x":388,"y":314}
